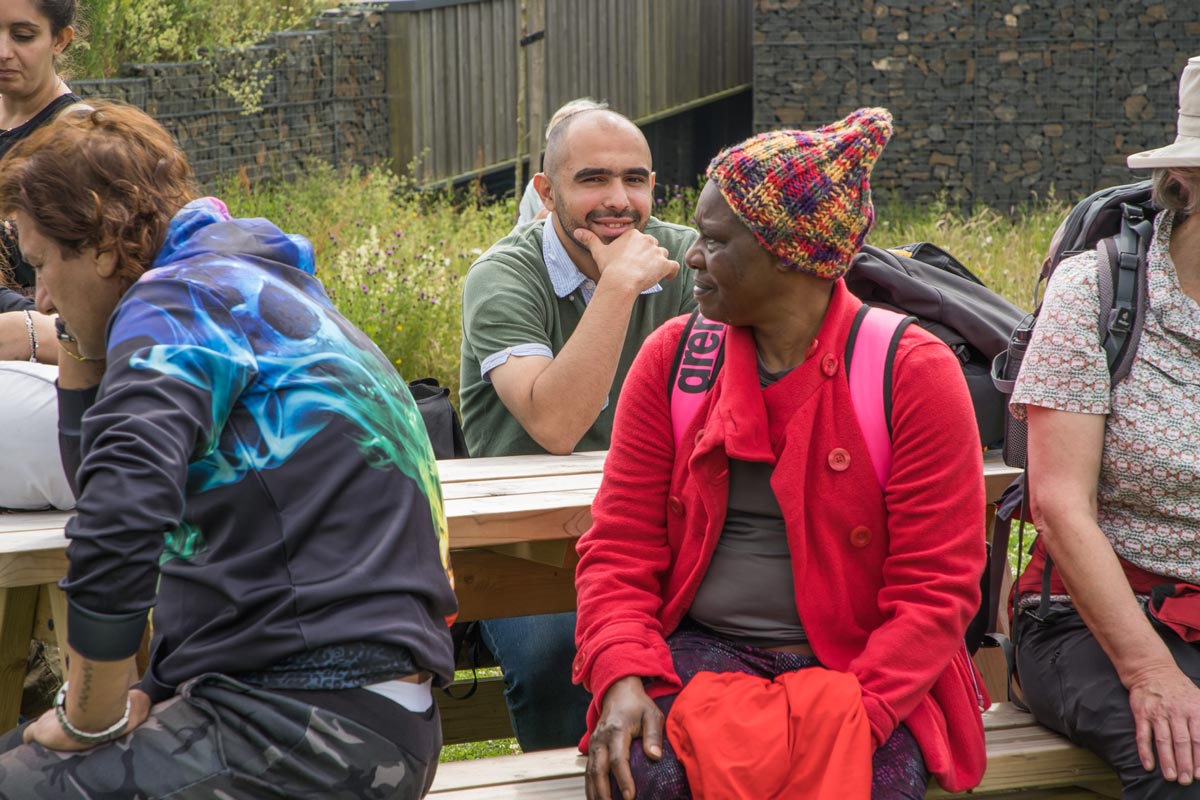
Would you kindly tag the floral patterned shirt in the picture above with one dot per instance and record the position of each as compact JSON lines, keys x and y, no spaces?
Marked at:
{"x":1149,"y":491}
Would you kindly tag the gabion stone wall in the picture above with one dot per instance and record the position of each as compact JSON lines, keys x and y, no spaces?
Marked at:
{"x":272,"y":108}
{"x":996,"y":102}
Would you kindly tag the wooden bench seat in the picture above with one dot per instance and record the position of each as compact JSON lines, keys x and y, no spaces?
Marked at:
{"x":1025,"y":760}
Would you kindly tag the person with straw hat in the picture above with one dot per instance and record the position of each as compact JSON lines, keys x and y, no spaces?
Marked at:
{"x":1115,"y":665}
{"x":734,"y":573}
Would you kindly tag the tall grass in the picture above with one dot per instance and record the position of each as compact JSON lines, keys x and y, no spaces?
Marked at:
{"x":1004,"y":251}
{"x":391,"y":257}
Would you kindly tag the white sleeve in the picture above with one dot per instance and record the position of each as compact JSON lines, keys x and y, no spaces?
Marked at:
{"x":531,"y":205}
{"x":31,"y":472}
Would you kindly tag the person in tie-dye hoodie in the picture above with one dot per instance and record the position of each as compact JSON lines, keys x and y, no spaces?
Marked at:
{"x":248,"y":464}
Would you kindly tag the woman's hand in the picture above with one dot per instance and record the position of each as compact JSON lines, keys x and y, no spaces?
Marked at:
{"x":1166,"y":712}
{"x":626,"y":713}
{"x":46,"y":730}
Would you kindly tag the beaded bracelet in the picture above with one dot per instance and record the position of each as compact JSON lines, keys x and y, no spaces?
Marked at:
{"x":33,"y":339}
{"x":87,"y":737}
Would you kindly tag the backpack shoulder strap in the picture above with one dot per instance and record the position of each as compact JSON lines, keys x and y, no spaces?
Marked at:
{"x":698,"y":359}
{"x":870,"y":353}
{"x":1122,"y":280}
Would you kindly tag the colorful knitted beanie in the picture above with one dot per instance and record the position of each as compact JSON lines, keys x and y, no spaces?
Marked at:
{"x":806,"y":195}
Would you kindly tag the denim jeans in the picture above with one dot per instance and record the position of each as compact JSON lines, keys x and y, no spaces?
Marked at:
{"x":546,"y":709}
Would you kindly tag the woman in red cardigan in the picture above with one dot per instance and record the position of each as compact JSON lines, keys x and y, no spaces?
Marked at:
{"x":764,"y":543}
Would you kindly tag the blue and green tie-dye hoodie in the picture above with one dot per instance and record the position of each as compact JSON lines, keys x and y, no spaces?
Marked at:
{"x":253,"y":467}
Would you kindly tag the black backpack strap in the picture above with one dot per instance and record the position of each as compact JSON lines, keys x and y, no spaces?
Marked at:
{"x":1122,"y":277}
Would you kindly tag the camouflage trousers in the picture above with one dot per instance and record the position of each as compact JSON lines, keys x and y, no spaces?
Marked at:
{"x":218,"y":738}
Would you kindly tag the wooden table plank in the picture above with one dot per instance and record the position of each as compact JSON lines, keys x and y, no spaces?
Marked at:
{"x":33,"y":521}
{"x":486,"y":521}
{"x":491,"y":585}
{"x":36,"y":567}
{"x":503,"y":467}
{"x":508,"y":487}
{"x":1021,"y":754}
{"x":554,"y":789}
{"x":545,"y":765}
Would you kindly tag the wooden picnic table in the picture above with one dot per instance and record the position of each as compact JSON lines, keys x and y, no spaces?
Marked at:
{"x":512,"y":523}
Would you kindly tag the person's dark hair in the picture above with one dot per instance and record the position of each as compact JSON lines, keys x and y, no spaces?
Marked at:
{"x":1177,"y":189}
{"x":102,"y":175}
{"x":61,"y":13}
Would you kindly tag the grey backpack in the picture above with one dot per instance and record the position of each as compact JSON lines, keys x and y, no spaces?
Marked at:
{"x":1118,"y":224}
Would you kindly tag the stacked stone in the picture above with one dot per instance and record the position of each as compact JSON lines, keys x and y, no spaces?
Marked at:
{"x":995,"y":103}
{"x":269,"y":110}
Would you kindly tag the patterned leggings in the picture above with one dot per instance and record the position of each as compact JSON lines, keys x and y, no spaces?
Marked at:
{"x":898,"y":767}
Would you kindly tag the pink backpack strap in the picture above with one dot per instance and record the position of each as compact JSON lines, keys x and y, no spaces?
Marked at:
{"x":697,"y":360}
{"x":870,"y":351}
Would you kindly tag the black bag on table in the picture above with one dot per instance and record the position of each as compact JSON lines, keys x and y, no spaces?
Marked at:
{"x":441,"y":420}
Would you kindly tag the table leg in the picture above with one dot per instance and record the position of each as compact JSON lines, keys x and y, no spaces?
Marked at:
{"x":17,"y":608}
{"x":57,"y":600}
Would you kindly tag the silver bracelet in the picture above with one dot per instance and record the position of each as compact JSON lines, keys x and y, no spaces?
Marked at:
{"x":87,"y":737}
{"x":33,"y":340}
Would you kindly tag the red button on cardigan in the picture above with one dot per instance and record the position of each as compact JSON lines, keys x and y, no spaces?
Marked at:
{"x":839,"y":459}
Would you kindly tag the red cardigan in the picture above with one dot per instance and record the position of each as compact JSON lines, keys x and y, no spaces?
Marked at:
{"x":886,"y":582}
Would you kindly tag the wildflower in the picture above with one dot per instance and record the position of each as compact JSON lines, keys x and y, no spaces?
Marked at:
{"x":398,"y":360}
{"x":399,"y":327}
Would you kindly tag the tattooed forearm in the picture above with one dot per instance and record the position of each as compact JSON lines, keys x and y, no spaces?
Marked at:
{"x":85,"y":687}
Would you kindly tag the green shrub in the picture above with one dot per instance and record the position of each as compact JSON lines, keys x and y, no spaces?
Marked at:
{"x":146,"y":31}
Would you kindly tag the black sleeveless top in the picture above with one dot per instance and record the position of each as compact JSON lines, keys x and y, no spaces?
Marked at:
{"x":22,"y":274}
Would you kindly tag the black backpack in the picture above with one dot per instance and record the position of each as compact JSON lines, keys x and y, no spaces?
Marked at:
{"x":1119,"y":224}
{"x":440,"y":418}
{"x":926,"y":282}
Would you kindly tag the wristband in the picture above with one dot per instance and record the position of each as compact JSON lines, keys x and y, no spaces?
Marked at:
{"x":33,"y":338}
{"x":87,"y":737}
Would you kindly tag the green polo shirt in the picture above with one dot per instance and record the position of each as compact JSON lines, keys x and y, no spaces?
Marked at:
{"x":510,"y":302}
